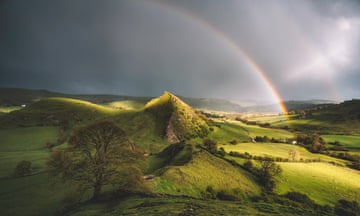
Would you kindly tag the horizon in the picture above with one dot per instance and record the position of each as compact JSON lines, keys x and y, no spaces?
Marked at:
{"x":245,"y":102}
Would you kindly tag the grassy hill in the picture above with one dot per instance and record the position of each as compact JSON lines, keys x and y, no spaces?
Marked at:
{"x":176,"y":120}
{"x":55,"y":111}
{"x":202,"y":171}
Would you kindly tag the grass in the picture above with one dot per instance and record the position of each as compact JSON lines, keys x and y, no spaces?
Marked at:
{"x":322,"y":182}
{"x":56,"y":111}
{"x":26,"y":139}
{"x":226,"y":132}
{"x":169,"y":205}
{"x":202,"y":171}
{"x":142,"y":129}
{"x":255,"y":130}
{"x":279,"y":150}
{"x":126,"y":104}
{"x":269,"y":118}
{"x":9,"y":109}
{"x":9,"y":160}
{"x":349,"y":142}
{"x":31,"y":195}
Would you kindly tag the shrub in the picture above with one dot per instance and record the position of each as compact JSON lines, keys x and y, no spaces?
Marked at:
{"x":209,"y":193}
{"x":23,"y":168}
{"x":347,"y":208}
{"x":211,"y":145}
{"x":230,"y":195}
{"x":300,"y":198}
{"x":248,"y":165}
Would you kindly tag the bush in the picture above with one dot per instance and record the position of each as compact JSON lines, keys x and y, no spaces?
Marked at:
{"x":209,"y":193}
{"x":211,"y":145}
{"x":23,"y":168}
{"x":347,"y":208}
{"x":230,"y":195}
{"x":248,"y":165}
{"x":300,"y":198}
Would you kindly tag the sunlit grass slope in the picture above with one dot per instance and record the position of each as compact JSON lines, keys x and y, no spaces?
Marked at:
{"x":127,"y":104}
{"x":55,"y":111}
{"x":225,"y":132}
{"x":322,"y":182}
{"x":202,"y":171}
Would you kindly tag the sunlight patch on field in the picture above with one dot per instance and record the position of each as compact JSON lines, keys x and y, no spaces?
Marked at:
{"x":322,"y":182}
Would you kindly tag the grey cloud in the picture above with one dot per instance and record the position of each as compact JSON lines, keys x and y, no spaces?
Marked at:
{"x":146,"y":47}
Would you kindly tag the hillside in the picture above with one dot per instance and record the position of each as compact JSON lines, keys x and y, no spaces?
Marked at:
{"x":342,"y":119}
{"x":55,"y":112}
{"x":176,"y":120}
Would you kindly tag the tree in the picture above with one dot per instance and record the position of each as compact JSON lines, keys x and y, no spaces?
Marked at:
{"x":211,"y":145}
{"x":293,"y":154}
{"x":23,"y":168}
{"x":268,"y":170}
{"x":98,"y":154}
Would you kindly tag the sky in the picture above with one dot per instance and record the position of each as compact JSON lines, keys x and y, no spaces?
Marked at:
{"x":231,"y":49}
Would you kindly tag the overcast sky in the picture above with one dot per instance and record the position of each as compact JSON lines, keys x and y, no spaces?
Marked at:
{"x":307,"y":49}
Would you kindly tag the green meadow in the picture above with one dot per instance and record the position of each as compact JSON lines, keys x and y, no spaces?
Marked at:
{"x":348,"y":142}
{"x":324,"y":183}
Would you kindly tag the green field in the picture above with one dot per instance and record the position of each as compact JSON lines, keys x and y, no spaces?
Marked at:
{"x":269,"y":119}
{"x":254,"y":130}
{"x":33,"y":193}
{"x":322,"y":182}
{"x":225,"y":132}
{"x":348,"y":142}
{"x":25,"y":139}
{"x":280,"y":150}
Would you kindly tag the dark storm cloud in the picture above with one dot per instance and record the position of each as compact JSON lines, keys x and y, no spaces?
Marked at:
{"x":146,"y":47}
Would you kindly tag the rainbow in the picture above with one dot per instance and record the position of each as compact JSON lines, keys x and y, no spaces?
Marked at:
{"x":229,"y":42}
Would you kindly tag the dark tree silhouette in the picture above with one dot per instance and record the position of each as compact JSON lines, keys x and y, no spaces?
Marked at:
{"x":98,"y":154}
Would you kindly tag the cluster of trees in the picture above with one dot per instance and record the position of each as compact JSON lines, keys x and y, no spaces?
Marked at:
{"x":264,"y":139}
{"x":293,"y":157}
{"x":99,"y":154}
{"x":355,"y":159}
{"x":313,"y":142}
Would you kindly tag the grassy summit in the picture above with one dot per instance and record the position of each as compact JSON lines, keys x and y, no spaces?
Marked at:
{"x":176,"y":120}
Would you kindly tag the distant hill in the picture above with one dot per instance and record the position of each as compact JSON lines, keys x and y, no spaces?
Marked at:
{"x":343,"y":118}
{"x":290,"y":106}
{"x":177,"y":120}
{"x":18,"y":97}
